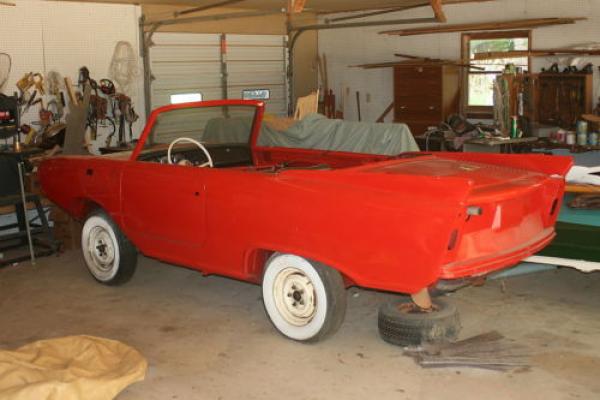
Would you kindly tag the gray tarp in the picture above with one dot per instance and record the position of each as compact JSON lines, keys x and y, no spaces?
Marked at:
{"x":317,"y":132}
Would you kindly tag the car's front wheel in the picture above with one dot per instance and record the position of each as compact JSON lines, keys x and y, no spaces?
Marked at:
{"x":305,"y":300}
{"x":110,"y":257}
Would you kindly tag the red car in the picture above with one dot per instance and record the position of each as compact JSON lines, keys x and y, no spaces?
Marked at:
{"x":304,"y":223}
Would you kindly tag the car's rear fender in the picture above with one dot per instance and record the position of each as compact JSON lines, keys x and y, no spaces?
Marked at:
{"x":78,"y":184}
{"x":403,"y":224}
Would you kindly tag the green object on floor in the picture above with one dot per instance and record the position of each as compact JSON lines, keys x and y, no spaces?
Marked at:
{"x":577,"y":234}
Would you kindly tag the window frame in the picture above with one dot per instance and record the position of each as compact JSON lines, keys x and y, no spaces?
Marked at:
{"x":485,"y":111}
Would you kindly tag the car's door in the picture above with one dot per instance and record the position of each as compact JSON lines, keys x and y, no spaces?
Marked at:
{"x":163,"y":209}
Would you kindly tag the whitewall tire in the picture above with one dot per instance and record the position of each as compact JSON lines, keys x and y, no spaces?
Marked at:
{"x":110,"y":257}
{"x":305,"y":300}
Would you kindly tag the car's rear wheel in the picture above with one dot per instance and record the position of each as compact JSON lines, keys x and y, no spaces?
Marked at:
{"x":110,"y":257}
{"x":305,"y":300}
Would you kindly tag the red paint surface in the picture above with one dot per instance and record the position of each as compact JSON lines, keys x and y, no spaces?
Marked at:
{"x":384,"y":222}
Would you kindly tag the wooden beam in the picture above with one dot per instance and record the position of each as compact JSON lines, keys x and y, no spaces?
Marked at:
{"x":484,"y":26}
{"x":413,"y":63}
{"x":206,"y":7}
{"x":436,"y":5}
{"x":494,"y":55}
{"x":426,"y":60}
{"x":299,"y":6}
{"x":424,"y":3}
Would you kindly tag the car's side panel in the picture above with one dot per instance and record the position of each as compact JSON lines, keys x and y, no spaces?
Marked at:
{"x":77,"y":183}
{"x":383,"y":234}
{"x":163,"y":210}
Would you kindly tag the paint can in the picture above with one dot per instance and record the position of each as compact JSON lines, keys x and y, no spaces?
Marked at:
{"x":560,"y":136}
{"x":570,"y":138}
{"x":582,"y":127}
{"x":593,"y":139}
{"x":582,"y":138}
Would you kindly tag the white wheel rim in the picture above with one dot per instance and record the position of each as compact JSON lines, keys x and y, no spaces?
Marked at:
{"x":100,"y":249}
{"x":303,"y":321}
{"x":294,"y":296}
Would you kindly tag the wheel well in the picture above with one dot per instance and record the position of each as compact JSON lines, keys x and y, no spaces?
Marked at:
{"x":257,"y":259}
{"x":86,"y":207}
{"x":255,"y":263}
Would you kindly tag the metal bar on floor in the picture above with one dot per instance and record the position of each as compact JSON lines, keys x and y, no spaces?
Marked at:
{"x":27,"y":228}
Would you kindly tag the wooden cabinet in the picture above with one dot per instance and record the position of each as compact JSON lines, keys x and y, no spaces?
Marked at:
{"x":425,"y":95}
{"x":564,"y":97}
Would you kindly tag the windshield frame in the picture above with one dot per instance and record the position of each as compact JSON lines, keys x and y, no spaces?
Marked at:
{"x":256,"y":123}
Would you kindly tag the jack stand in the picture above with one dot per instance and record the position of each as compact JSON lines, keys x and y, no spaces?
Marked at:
{"x":422,"y":299}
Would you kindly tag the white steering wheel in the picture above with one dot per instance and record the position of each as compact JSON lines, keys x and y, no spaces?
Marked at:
{"x":209,"y":163}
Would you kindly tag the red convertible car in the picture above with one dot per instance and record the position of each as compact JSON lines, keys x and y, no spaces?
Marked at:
{"x":304,"y":223}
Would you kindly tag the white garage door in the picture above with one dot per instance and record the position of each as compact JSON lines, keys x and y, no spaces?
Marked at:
{"x":191,"y":63}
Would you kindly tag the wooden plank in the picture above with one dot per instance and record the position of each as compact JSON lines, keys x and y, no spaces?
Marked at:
{"x":369,"y":7}
{"x":420,"y":62}
{"x":385,"y":113}
{"x":574,"y":188}
{"x":484,"y":26}
{"x":70,"y":91}
{"x":533,"y":53}
{"x":299,"y":6}
{"x":436,"y":5}
{"x":458,"y":63}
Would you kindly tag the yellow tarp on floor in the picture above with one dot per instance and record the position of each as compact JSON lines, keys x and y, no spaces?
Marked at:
{"x":69,"y":368}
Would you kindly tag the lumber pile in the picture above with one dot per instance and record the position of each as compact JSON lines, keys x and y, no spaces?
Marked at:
{"x":534,"y":53}
{"x":484,"y":26}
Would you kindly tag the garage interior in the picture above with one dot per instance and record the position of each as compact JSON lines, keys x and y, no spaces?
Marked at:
{"x":455,"y":78}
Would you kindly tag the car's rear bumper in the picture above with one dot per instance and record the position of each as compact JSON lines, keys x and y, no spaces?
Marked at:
{"x":493,"y":262}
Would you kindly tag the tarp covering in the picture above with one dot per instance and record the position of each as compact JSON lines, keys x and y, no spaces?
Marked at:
{"x":317,"y":132}
{"x":69,"y":368}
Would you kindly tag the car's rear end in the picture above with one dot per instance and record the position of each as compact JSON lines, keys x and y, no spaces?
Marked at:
{"x":509,"y":212}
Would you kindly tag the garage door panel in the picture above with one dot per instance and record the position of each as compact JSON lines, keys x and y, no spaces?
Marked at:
{"x":191,"y":63}
{"x":185,"y":69}
{"x":242,"y":67}
{"x":255,"y":40}
{"x":183,"y":39}
{"x":186,"y":54}
{"x":254,"y":53}
{"x":165,"y":83}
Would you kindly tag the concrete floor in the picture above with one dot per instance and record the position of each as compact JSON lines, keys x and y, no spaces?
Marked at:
{"x":208,"y":338}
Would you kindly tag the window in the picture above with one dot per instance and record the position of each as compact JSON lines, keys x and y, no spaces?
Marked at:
{"x":224,"y":124}
{"x":185,"y":98}
{"x":478,"y":83}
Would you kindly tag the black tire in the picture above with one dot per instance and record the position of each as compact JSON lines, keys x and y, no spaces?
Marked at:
{"x":404,"y":328}
{"x":315,"y":281}
{"x":109,"y":256}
